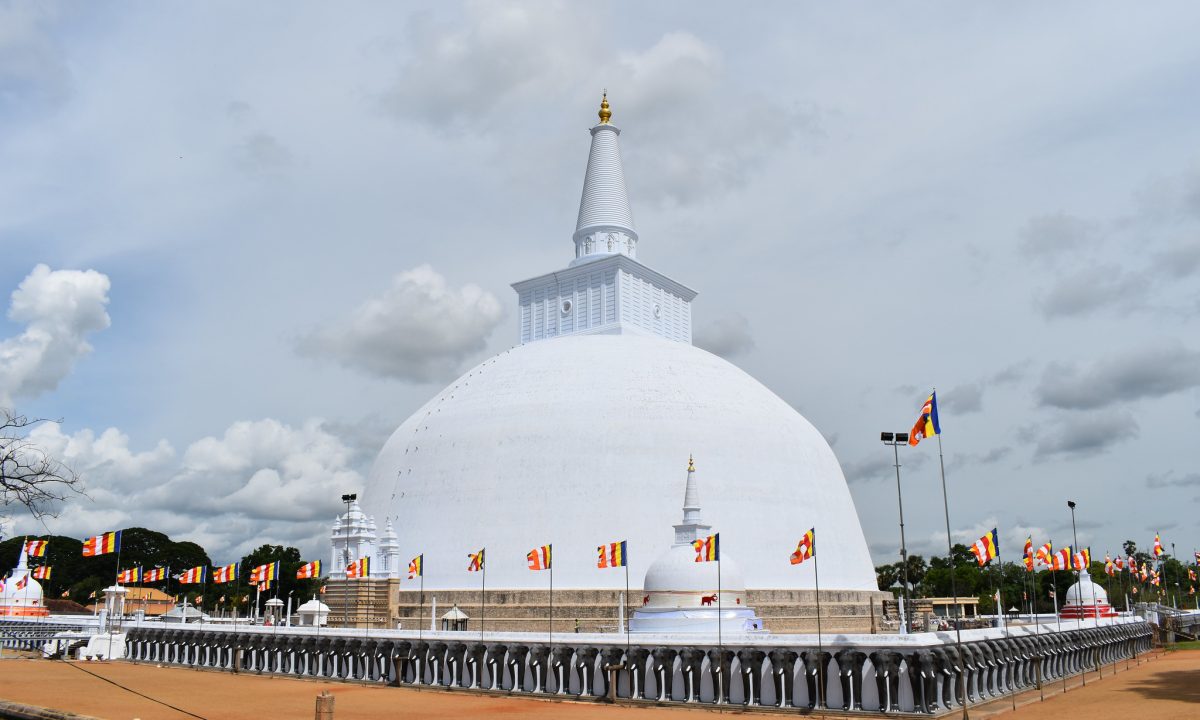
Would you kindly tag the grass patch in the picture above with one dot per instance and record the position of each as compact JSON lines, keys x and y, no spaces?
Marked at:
{"x":1188,"y":645}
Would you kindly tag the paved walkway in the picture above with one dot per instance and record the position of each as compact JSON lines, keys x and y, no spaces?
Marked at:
{"x":1164,"y":688}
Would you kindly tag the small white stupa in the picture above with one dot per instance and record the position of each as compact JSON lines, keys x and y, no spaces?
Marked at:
{"x":313,"y":613}
{"x":681,"y":595}
{"x":1086,"y":599}
{"x":20,"y":594}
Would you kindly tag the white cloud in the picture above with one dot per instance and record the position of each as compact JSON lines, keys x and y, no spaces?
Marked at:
{"x":728,"y":335}
{"x":260,"y":482}
{"x":420,"y":329}
{"x":59,"y":308}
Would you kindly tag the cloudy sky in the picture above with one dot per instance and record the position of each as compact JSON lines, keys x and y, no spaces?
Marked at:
{"x":241,"y":243}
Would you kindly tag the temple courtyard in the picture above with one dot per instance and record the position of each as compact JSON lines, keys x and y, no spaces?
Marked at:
{"x":1163,"y":686}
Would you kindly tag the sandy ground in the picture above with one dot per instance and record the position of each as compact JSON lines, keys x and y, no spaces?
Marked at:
{"x":1163,"y":688}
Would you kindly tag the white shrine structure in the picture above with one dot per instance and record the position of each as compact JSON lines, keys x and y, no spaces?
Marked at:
{"x":20,"y":593}
{"x":573,"y":438}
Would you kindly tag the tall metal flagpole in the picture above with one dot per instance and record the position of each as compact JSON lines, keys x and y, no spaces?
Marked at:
{"x":482,"y":589}
{"x":550,"y":567}
{"x":1057,"y":617}
{"x":1000,"y":602}
{"x":953,"y":583}
{"x":819,"y":700}
{"x":720,"y":641}
{"x":421,"y":604}
{"x":1037,"y":625}
{"x":625,"y":610}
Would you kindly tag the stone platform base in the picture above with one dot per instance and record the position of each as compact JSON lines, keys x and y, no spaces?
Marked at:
{"x":587,"y":611}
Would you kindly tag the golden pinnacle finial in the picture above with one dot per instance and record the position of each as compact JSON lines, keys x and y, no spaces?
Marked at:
{"x":605,"y":111}
{"x":691,"y":464}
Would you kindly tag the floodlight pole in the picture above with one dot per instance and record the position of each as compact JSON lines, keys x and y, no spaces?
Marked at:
{"x":895,"y":439}
{"x":1078,"y":583}
{"x":348,"y":499}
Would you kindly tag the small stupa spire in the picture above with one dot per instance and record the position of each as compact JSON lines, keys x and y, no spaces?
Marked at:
{"x":605,"y":111}
{"x":692,"y":526}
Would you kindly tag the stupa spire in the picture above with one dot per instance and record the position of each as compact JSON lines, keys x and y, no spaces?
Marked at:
{"x":605,"y":223}
{"x":692,"y":526}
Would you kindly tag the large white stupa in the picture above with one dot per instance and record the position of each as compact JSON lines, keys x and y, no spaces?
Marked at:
{"x":574,"y":437}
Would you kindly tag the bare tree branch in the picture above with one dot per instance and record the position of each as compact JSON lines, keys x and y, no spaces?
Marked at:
{"x":28,"y":475}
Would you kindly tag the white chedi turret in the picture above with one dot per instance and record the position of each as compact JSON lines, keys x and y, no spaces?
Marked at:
{"x":681,"y":594}
{"x":1086,"y":599}
{"x":20,"y":594}
{"x":605,"y":224}
{"x":354,"y":535}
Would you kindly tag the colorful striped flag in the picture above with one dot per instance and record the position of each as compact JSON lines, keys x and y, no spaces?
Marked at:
{"x":1191,"y":575}
{"x":1131,"y":564}
{"x":24,"y":581}
{"x":156,"y":575}
{"x":986,"y":548}
{"x":612,"y":555}
{"x":132,"y":575}
{"x":102,"y":544}
{"x":476,"y":563}
{"x":195,"y":576}
{"x":927,"y":424}
{"x":309,"y":570}
{"x":1119,"y":563}
{"x":1027,"y":555}
{"x":35,"y":548}
{"x":1109,"y":568}
{"x":1062,"y":559}
{"x":359,"y":569}
{"x":264,"y":573}
{"x":228,"y":573}
{"x":1082,"y":559}
{"x":43,"y":572}
{"x":539,"y":558}
{"x":1158,"y":548}
{"x":708,"y":549}
{"x":1045,"y":554}
{"x":1197,"y":554}
{"x":806,"y":548}
{"x":416,"y":567}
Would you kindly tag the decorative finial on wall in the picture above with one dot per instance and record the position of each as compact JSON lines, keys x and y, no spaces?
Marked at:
{"x":605,"y":111}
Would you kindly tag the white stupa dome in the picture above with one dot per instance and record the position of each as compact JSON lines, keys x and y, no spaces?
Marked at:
{"x":576,"y":438}
{"x":578,"y":441}
{"x":21,"y":595}
{"x":676,"y":573}
{"x":1086,"y":592}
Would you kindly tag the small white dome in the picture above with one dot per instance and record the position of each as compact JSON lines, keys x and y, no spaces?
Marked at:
{"x":28,"y":596}
{"x":1090,"y":592}
{"x":313,"y":606}
{"x":676,"y":580}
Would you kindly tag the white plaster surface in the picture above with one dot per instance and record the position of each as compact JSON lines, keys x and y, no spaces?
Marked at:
{"x":584,"y":440}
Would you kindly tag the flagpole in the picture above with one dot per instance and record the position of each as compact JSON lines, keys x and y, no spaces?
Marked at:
{"x":1003,"y":618}
{"x":820,"y":644}
{"x":421,"y":604}
{"x":720,"y":640}
{"x":1037,"y":626}
{"x":625,"y":610}
{"x":482,"y":589}
{"x":116,"y":582}
{"x":1057,"y":617}
{"x":550,"y":567}
{"x":953,"y":583}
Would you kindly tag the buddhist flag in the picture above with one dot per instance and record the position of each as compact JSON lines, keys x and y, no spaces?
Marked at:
{"x":806,"y":548}
{"x":1131,"y":563}
{"x":1082,"y":559}
{"x":309,"y":570}
{"x":264,"y":586}
{"x":1045,"y":554}
{"x":539,"y":557}
{"x":43,"y":572}
{"x":1191,"y":575}
{"x":155,"y":575}
{"x":1119,"y":563}
{"x":1197,"y":554}
{"x":1192,"y":590}
{"x":265,"y":573}
{"x":102,"y":544}
{"x":22,"y":582}
{"x":132,"y":575}
{"x":228,"y":573}
{"x":986,"y":548}
{"x":1158,"y":548}
{"x":1027,"y":555}
{"x":195,"y":576}
{"x":476,"y":563}
{"x":1062,"y":559}
{"x":35,"y":548}
{"x":708,"y":549}
{"x":612,"y":555}
{"x":1109,"y":568}
{"x":927,"y":424}
{"x":1155,"y":580}
{"x":416,"y":567}
{"x":359,"y":569}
